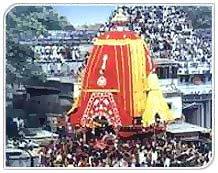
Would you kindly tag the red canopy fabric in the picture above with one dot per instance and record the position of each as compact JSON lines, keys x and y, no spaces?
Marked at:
{"x":107,"y":86}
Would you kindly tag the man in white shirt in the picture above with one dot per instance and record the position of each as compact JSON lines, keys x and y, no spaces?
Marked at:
{"x":167,"y":162}
{"x":154,"y":156}
{"x":142,"y":157}
{"x":59,"y":158}
{"x":17,"y":122}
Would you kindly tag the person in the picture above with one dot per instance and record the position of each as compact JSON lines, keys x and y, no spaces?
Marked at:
{"x":30,"y":144}
{"x":157,"y":118}
{"x":21,"y":123}
{"x":133,"y":160}
{"x":42,"y":158}
{"x":167,"y":162}
{"x":22,"y":144}
{"x":142,"y":157}
{"x":154,"y":157}
{"x":59,"y":158}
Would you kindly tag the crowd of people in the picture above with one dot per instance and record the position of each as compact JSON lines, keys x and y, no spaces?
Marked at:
{"x":56,"y":53}
{"x":70,"y":34}
{"x":103,"y":147}
{"x":54,"y":46}
{"x":169,"y":32}
{"x":21,"y":143}
{"x":108,"y":150}
{"x":52,"y":61}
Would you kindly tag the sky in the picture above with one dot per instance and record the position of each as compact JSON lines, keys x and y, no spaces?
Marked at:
{"x":80,"y":14}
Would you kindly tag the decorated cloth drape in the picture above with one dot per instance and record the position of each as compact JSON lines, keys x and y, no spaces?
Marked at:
{"x":115,"y":81}
{"x":155,"y":103}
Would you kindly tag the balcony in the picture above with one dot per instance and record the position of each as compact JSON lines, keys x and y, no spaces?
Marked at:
{"x":195,"y":89}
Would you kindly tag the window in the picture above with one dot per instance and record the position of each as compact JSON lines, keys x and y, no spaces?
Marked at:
{"x":158,"y":72}
{"x":181,"y":79}
{"x":167,"y":75}
{"x":187,"y":79}
{"x":161,"y":73}
{"x":174,"y":72}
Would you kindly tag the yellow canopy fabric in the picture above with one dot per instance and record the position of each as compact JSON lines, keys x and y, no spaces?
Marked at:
{"x":74,"y":105}
{"x":138,"y":63}
{"x":155,"y":103}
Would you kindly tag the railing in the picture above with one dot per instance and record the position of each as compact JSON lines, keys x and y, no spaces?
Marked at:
{"x":197,"y":97}
{"x":195,"y":89}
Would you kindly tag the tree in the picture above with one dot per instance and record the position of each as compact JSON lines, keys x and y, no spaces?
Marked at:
{"x":201,"y":16}
{"x":26,"y":23}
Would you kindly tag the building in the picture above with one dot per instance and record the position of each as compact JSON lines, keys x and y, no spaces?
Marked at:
{"x":195,"y":86}
{"x":36,"y":102}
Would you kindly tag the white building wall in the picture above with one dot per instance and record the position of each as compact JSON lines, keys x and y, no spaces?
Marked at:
{"x":176,"y":107}
{"x":164,"y":82}
{"x":192,"y":89}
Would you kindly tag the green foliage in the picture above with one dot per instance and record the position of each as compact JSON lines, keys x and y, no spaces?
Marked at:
{"x":27,"y":22}
{"x":201,"y":16}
